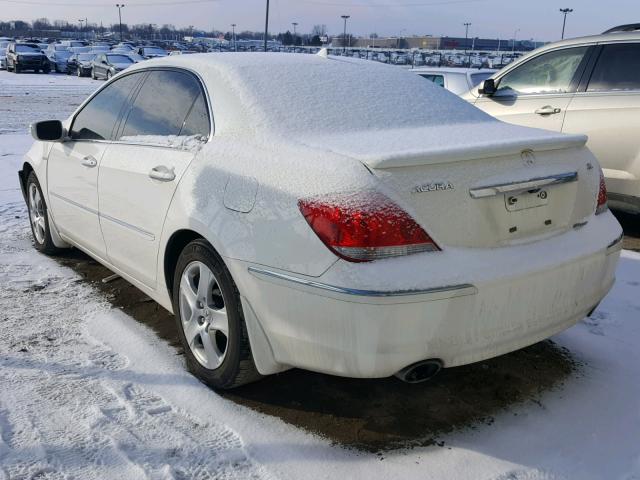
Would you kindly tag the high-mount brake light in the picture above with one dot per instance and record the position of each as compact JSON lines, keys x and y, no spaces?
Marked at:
{"x":365,"y":226}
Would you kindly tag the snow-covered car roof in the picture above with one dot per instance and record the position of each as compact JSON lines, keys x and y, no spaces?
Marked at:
{"x":288,"y":92}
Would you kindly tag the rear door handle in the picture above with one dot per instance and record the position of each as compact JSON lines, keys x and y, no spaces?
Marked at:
{"x":162,"y":173}
{"x":89,"y":161}
{"x":548,"y":110}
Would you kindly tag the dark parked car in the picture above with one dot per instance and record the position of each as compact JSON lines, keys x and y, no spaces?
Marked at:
{"x":152,"y":52}
{"x":106,"y":65}
{"x":26,"y":56}
{"x":80,"y":64}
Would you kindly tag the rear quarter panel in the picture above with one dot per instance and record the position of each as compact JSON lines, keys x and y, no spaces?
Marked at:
{"x":242,"y":196}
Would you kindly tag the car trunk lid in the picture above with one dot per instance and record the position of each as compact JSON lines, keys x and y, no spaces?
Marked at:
{"x":479,"y":185}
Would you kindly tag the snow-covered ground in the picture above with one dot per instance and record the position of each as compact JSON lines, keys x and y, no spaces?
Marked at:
{"x":87,"y":392}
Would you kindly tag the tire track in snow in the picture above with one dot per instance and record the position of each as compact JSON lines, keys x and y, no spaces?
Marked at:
{"x":70,"y":408}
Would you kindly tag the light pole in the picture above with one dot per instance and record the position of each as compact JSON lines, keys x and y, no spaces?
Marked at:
{"x":120,"y":7}
{"x":565,"y":12}
{"x":295,"y":24}
{"x":344,"y":34}
{"x":233,"y":36}
{"x":513,"y":47}
{"x":266,"y":26}
{"x":400,"y":38}
{"x":466,"y":35}
{"x":80,"y":20}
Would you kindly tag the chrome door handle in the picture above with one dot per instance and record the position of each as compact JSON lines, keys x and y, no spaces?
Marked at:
{"x":547,"y":110}
{"x":162,"y":173}
{"x":89,"y":161}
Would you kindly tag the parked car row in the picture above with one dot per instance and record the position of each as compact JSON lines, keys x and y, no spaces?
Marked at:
{"x":98,"y":59}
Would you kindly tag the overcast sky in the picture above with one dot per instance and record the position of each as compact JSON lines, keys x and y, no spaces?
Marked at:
{"x":535,"y":19}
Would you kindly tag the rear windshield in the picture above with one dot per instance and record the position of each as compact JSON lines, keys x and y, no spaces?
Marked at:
{"x":154,"y":50}
{"x":377,"y":96}
{"x":27,"y":49}
{"x":63,"y":54}
{"x":119,"y":59}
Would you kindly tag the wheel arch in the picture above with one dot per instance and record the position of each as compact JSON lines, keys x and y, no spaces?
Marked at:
{"x":23,"y":175}
{"x":176,"y":243}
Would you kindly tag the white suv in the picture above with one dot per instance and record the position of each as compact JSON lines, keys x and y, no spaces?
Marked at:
{"x":588,"y":85}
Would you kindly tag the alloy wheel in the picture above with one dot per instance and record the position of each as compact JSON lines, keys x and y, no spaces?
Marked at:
{"x":37,"y":213}
{"x":203,"y":315}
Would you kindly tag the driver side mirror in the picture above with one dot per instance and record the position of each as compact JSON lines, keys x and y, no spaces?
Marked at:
{"x":48,"y":131}
{"x":488,"y":87}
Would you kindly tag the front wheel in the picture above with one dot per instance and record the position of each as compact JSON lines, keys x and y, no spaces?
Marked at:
{"x":39,"y":218}
{"x":210,"y":320}
{"x":79,"y":72}
{"x":109,"y":75}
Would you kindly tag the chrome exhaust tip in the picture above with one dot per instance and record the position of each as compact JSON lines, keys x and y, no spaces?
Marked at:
{"x":420,"y":371}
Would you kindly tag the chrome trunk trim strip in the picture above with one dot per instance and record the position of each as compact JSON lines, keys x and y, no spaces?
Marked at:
{"x":532,"y":184}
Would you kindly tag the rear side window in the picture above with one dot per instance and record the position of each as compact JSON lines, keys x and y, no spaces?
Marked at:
{"x":197,"y":121}
{"x":97,"y":119}
{"x":552,"y":72}
{"x":618,"y":68}
{"x":169,"y":103}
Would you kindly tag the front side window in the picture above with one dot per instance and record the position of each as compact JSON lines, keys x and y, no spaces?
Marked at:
{"x":617,"y":69}
{"x":167,"y":102}
{"x":552,"y":72}
{"x":478,"y":78}
{"x":437,"y":79}
{"x":97,"y":119}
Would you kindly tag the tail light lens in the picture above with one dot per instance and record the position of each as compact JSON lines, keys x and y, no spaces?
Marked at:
{"x":602,"y":196}
{"x":365,"y":226}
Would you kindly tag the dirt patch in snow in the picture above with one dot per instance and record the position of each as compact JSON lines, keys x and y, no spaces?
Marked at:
{"x":371,"y":415}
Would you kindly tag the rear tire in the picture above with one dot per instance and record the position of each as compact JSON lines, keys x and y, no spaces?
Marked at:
{"x":109,"y":75}
{"x":39,"y":217}
{"x":93,"y":74}
{"x":206,"y":302}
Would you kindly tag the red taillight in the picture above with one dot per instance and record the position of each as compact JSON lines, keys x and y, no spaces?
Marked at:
{"x":602,"y":196}
{"x":364,"y":226}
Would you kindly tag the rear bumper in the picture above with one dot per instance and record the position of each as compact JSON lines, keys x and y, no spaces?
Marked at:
{"x":313,"y":324}
{"x":32,"y":64}
{"x":623,"y":190}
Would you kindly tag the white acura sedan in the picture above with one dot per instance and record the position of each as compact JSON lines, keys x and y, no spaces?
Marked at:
{"x":331,"y":214}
